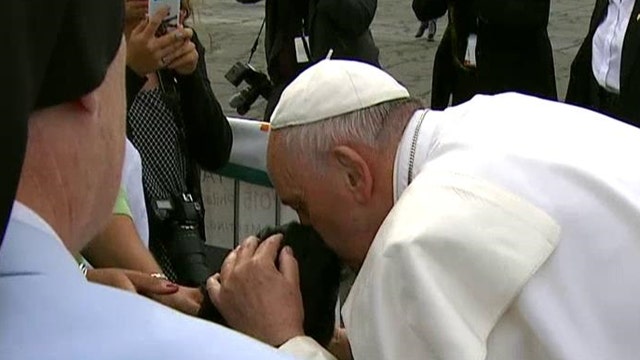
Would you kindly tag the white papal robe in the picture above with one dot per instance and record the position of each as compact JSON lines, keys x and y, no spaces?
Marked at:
{"x":518,"y":238}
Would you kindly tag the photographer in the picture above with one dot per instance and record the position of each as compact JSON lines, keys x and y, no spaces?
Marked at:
{"x":177,"y":125}
{"x":301,"y":32}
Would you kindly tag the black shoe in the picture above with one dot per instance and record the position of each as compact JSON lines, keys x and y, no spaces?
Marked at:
{"x":421,"y":30}
{"x":432,"y":30}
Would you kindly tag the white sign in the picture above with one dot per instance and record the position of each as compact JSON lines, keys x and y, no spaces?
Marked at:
{"x":235,"y":209}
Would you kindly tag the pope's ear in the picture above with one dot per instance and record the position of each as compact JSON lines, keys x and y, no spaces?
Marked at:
{"x":354,"y":172}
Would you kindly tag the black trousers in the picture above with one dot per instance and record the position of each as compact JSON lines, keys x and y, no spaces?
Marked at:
{"x":606,"y":102}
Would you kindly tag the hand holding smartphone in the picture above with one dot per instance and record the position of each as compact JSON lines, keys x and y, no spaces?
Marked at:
{"x":170,"y":22}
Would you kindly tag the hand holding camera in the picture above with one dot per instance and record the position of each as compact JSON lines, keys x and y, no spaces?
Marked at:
{"x":149,"y":49}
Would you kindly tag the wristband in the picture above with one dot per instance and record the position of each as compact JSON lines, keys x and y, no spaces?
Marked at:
{"x":159,"y":276}
{"x":83,"y":267}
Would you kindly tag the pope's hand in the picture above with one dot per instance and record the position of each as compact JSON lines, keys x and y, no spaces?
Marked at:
{"x":257,"y":298}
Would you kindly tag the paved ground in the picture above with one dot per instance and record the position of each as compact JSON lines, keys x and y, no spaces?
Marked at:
{"x":228,"y":30}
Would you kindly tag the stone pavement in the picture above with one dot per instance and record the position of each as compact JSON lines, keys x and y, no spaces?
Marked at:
{"x":228,"y":29}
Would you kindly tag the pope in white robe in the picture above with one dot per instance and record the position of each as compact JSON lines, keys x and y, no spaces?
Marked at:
{"x":518,"y":238}
{"x":512,"y":229}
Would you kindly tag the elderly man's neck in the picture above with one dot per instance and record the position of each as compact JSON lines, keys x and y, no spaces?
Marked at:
{"x":54,"y":207}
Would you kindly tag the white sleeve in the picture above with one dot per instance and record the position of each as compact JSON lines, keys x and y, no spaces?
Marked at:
{"x":304,"y":347}
{"x":132,"y":183}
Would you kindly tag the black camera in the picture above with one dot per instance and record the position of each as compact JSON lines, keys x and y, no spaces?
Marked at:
{"x":259,"y":85}
{"x":185,"y":245}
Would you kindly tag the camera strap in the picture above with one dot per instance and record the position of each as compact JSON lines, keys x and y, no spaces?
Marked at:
{"x":169,"y":87}
{"x":254,"y":48}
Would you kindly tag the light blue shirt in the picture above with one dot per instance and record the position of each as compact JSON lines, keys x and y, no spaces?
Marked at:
{"x":49,"y":311}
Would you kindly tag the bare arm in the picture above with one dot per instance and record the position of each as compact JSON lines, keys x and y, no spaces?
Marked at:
{"x":119,"y":246}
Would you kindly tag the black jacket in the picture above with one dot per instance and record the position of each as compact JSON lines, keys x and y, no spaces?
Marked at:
{"x":208,"y":136}
{"x":341,"y":25}
{"x":208,"y":133}
{"x":513,"y":51}
{"x":583,"y":87}
{"x":207,"y":142}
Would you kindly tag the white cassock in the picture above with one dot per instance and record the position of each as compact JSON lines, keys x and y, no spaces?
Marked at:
{"x":518,"y":238}
{"x":48,"y":310}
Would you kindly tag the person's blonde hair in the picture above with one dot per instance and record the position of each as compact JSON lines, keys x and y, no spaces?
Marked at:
{"x":186,"y":6}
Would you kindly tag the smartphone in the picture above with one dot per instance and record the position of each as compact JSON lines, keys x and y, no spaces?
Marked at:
{"x":170,"y":22}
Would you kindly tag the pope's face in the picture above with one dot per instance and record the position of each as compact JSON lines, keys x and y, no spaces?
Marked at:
{"x":319,"y":199}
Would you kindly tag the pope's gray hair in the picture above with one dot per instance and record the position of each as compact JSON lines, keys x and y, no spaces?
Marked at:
{"x":374,"y":127}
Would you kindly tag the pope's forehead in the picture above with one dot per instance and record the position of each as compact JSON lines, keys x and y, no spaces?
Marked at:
{"x":280,"y":161}
{"x":279,"y":145}
{"x":275,"y":149}
{"x":286,"y":178}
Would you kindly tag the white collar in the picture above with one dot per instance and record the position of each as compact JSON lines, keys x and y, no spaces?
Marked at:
{"x":31,"y":246}
{"x":24,"y":214}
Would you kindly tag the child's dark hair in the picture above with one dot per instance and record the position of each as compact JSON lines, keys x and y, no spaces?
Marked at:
{"x":319,"y":269}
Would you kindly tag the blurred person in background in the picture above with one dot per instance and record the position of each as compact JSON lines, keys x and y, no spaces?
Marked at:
{"x":490,"y":47}
{"x":605,"y":74}
{"x":429,"y":26}
{"x":300,"y":33}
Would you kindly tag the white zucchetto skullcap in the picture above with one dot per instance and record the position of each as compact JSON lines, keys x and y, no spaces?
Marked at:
{"x":331,"y":88}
